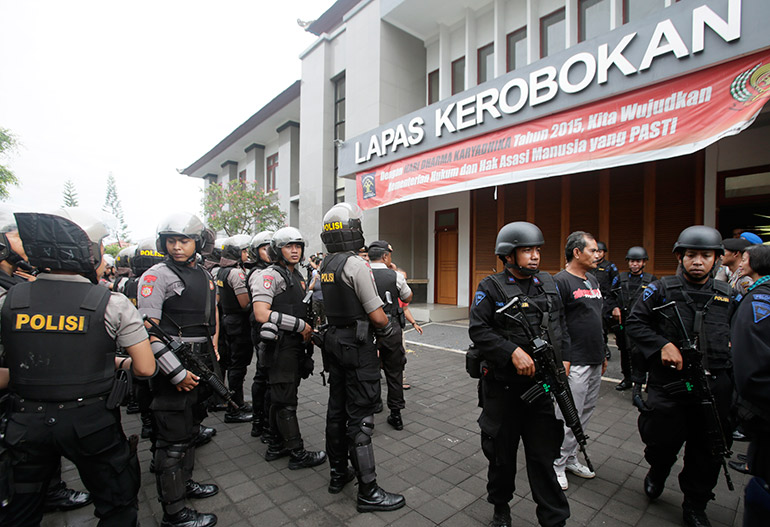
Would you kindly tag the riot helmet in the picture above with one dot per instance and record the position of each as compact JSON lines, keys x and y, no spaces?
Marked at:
{"x":69,"y":239}
{"x":517,"y":234}
{"x":232,"y":247}
{"x":216,"y":252}
{"x":181,"y":224}
{"x":342,"y":230}
{"x":637,"y":253}
{"x":699,"y":237}
{"x":283,"y":237}
{"x":109,"y":260}
{"x":123,"y":259}
{"x":8,"y":225}
{"x":260,"y":240}
{"x":145,"y":256}
{"x":601,"y":246}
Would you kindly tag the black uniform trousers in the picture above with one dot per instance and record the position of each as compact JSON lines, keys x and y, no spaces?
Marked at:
{"x":260,"y":394}
{"x":393,"y":357}
{"x":283,"y":379}
{"x":674,"y":421}
{"x":505,"y":421}
{"x":354,"y":389}
{"x":632,"y":362}
{"x":40,"y":433}
{"x":240,"y":348}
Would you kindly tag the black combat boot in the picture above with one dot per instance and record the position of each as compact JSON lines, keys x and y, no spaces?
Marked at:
{"x":60,"y":498}
{"x":502,"y":516}
{"x":257,"y":424}
{"x":146,"y":425}
{"x":371,"y":498}
{"x":653,"y":485}
{"x":340,"y":478}
{"x":637,"y":399}
{"x":238,"y":416}
{"x":695,"y":517}
{"x":301,"y":458}
{"x":205,"y":433}
{"x":199,"y":491}
{"x":275,"y":449}
{"x":394,"y":420}
{"x":624,"y":385}
{"x":189,"y":518}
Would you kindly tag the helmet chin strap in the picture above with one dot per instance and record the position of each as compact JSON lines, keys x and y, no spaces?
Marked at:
{"x":526,"y":271}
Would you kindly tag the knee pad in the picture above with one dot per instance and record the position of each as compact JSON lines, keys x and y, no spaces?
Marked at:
{"x":288,"y":426}
{"x":169,"y":457}
{"x":365,"y":432}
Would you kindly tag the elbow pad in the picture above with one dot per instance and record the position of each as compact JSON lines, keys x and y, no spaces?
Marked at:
{"x":287,"y":322}
{"x":268,"y":332}
{"x":168,"y":363}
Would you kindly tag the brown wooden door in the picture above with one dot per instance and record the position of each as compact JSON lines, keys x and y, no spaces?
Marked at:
{"x":446,"y":257}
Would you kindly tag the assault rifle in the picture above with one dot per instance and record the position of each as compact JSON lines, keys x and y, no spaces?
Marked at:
{"x":193,"y":362}
{"x":550,"y":377}
{"x":695,"y":383}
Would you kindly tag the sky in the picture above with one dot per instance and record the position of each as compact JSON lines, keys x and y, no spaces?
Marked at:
{"x":137,"y":89}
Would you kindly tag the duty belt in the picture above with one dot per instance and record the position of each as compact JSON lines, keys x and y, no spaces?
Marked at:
{"x":19,"y":404}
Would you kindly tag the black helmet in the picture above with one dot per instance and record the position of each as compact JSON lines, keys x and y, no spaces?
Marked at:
{"x":517,"y":234}
{"x":637,"y":253}
{"x":145,"y":256}
{"x":260,"y":240}
{"x":181,"y":224}
{"x":69,"y":239}
{"x":342,"y":229}
{"x":233,"y":246}
{"x":601,"y":246}
{"x":283,"y":237}
{"x":699,"y":237}
{"x":123,"y":259}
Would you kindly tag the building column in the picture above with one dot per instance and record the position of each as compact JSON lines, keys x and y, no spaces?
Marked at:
{"x":444,"y":63}
{"x":255,"y":163}
{"x":571,"y":22}
{"x":471,"y":53}
{"x":710,"y":185}
{"x":533,"y":32}
{"x":500,"y":38}
{"x":288,"y":169}
{"x":229,"y":171}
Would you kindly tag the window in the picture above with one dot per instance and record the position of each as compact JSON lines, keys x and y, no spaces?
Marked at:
{"x":458,"y":75}
{"x":593,"y":18}
{"x":553,"y":30}
{"x":242,"y":176}
{"x":634,"y":10}
{"x":486,"y":64}
{"x":272,"y":171}
{"x":433,"y":87}
{"x":339,"y":135}
{"x":516,"y":49}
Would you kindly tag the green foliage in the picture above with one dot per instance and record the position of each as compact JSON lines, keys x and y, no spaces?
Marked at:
{"x":70,"y":194}
{"x":241,"y":207}
{"x":7,"y":177}
{"x":112,"y":249}
{"x":113,"y":206}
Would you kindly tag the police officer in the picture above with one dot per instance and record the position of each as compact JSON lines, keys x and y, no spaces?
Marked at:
{"x":353,"y":311}
{"x":391,"y":286}
{"x":631,"y":285}
{"x":674,"y":419}
{"x":181,"y":296}
{"x":606,"y":273}
{"x":506,"y":418}
{"x":12,"y":255}
{"x":234,"y":301}
{"x":260,"y":394}
{"x":57,"y":406}
{"x":278,"y":299}
{"x":751,"y":349}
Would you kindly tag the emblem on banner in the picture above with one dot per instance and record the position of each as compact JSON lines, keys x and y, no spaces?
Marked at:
{"x":751,"y":85}
{"x":368,"y":188}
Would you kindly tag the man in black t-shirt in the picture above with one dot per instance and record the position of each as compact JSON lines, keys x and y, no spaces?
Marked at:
{"x":583,"y":304}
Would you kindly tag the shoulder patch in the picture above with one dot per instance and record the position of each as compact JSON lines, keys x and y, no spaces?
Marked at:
{"x":211,"y":284}
{"x":761,"y":311}
{"x":764,"y":298}
{"x":146,"y":290}
{"x":148,"y":279}
{"x":614,"y":267}
{"x":615,"y":280}
{"x":648,"y":291}
{"x":480,"y":295}
{"x":241,"y":275}
{"x":268,"y":282}
{"x":738,"y":297}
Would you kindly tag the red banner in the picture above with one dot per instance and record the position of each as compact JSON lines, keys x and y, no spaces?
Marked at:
{"x":668,"y":119}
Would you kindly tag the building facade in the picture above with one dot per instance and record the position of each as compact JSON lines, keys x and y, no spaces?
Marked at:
{"x":446,"y":119}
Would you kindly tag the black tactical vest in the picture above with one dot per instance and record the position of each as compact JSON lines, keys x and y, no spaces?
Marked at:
{"x":386,"y":281}
{"x":340,"y":300}
{"x":542,"y":310}
{"x":131,"y":289}
{"x":193,"y":313}
{"x":227,"y":298}
{"x":631,"y":291}
{"x":56,"y":344}
{"x":290,"y":301}
{"x":7,"y":282}
{"x":713,"y":300}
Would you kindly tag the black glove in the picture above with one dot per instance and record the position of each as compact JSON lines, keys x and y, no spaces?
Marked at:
{"x":384,"y":332}
{"x":306,"y":366}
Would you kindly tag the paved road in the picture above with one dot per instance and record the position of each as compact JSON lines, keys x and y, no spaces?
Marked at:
{"x":436,"y":461}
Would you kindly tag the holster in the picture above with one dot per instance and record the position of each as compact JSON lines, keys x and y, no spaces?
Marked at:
{"x":266,"y":354}
{"x":362,"y":331}
{"x":473,"y":362}
{"x":122,"y":384}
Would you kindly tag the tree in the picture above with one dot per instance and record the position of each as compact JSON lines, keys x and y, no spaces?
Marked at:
{"x":7,"y":178}
{"x":70,"y":194}
{"x":113,"y":206}
{"x":241,"y":207}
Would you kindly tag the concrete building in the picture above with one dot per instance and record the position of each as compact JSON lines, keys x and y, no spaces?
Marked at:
{"x":445,"y":119}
